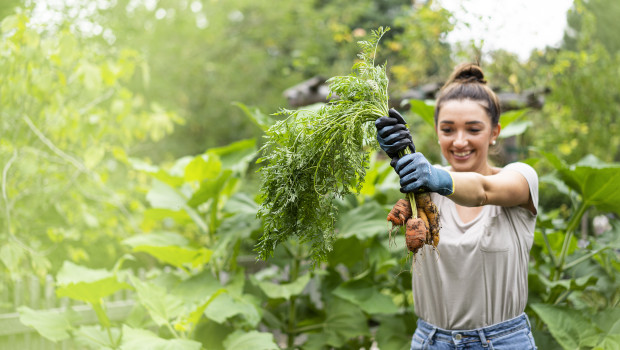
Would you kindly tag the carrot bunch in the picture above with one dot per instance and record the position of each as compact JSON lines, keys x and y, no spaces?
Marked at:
{"x":421,"y":224}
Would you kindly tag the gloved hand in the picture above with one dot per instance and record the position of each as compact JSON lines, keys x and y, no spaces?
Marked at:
{"x":392,"y":134}
{"x":418,"y":175}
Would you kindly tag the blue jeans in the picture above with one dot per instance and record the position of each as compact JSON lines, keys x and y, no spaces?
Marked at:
{"x":514,"y":334}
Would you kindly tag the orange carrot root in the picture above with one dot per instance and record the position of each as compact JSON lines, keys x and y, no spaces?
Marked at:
{"x":415,"y":235}
{"x":429,"y":208}
{"x":400,"y":213}
{"x":422,"y":215}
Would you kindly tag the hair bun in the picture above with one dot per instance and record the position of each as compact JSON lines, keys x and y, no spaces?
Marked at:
{"x":468,"y":73}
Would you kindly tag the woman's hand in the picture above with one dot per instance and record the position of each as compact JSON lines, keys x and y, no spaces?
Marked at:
{"x":393,"y":135}
{"x":418,"y":175}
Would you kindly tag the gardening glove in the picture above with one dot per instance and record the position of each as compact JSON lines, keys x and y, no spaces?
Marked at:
{"x":393,"y":135}
{"x":418,"y":175}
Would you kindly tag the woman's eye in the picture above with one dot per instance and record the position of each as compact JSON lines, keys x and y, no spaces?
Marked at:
{"x":446,"y":130}
{"x":474,"y":130}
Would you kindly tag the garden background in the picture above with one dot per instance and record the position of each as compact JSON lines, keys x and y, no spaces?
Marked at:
{"x":129,"y":151}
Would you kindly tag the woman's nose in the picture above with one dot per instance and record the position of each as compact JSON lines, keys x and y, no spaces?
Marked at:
{"x":460,"y":140}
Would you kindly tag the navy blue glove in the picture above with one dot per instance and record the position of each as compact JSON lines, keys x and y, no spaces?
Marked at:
{"x":393,"y":135}
{"x":418,"y":175}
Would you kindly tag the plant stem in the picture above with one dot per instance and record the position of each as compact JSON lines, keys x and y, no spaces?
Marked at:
{"x":551,"y":254}
{"x":562,"y":296}
{"x":572,"y":225}
{"x":584,"y":258}
{"x":309,"y":328}
{"x":410,"y":195}
{"x":292,"y":303}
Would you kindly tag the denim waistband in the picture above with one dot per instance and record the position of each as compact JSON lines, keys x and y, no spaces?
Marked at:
{"x":473,"y":335}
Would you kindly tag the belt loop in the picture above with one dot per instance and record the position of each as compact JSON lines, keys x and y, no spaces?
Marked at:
{"x":483,"y":339}
{"x":528,"y":321}
{"x":431,"y":335}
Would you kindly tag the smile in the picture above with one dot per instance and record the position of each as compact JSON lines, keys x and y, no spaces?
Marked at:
{"x":462,"y":154}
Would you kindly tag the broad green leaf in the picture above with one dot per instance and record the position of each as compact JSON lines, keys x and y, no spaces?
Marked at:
{"x":160,"y":239}
{"x":608,"y":321}
{"x":514,"y":129}
{"x":556,"y":239}
{"x":568,"y":326}
{"x":189,"y":322}
{"x":237,"y":155}
{"x":213,"y":188}
{"x":344,"y":321}
{"x":51,"y":324}
{"x":156,"y":172}
{"x":161,"y":305}
{"x":424,"y":110}
{"x":213,"y":334}
{"x":610,"y":342}
{"x":162,"y":195}
{"x":252,"y":340}
{"x":363,"y":222}
{"x":89,"y":285}
{"x":170,"y":248}
{"x":395,"y":332}
{"x":367,"y":296}
{"x":347,"y":251}
{"x":205,"y":166}
{"x":198,"y":288}
{"x":509,"y":117}
{"x":226,"y":306}
{"x":262,"y":120}
{"x":140,"y":339}
{"x":153,"y":217}
{"x":596,"y":182}
{"x":11,"y":255}
{"x":283,"y":290}
{"x":378,"y":178}
{"x":96,"y":337}
{"x":178,"y":256}
{"x":241,"y":203}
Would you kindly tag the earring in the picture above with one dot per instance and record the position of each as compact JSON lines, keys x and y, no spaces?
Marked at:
{"x":493,"y":142}
{"x":439,"y":143}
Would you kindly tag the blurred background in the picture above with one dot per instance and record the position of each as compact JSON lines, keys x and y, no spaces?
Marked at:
{"x":130,"y":131}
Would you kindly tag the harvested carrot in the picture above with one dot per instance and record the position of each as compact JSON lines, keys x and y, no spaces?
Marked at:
{"x":415,"y":235}
{"x":422,"y":215}
{"x":423,"y":201}
{"x":400,"y":213}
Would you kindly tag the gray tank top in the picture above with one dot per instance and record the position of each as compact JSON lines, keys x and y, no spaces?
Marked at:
{"x":479,"y":277}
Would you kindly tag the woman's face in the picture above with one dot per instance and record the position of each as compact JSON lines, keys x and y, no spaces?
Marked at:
{"x":465,"y":134}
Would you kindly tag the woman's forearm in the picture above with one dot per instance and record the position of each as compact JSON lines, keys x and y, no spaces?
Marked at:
{"x":469,"y":189}
{"x":506,"y":188}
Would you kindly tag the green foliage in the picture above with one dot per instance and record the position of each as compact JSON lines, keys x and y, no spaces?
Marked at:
{"x":69,"y":120}
{"x":571,"y":288}
{"x":82,"y":109}
{"x":314,"y":157}
{"x":235,"y":50}
{"x":420,"y":50}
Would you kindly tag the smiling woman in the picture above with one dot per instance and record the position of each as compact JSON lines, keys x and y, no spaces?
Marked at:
{"x":476,"y":292}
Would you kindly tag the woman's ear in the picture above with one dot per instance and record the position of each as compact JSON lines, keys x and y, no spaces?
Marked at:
{"x":495,"y":132}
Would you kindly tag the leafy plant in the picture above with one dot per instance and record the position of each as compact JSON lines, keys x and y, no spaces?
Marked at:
{"x":311,"y":158}
{"x":573,"y":290}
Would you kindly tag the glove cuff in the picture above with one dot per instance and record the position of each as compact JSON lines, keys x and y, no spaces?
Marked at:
{"x":446,"y":182}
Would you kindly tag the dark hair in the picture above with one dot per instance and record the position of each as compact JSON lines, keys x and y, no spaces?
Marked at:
{"x":467,"y":83}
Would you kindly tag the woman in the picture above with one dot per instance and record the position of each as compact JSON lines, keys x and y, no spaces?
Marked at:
{"x":472,"y":296}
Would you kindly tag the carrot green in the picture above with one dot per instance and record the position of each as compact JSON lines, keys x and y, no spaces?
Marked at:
{"x":314,"y":157}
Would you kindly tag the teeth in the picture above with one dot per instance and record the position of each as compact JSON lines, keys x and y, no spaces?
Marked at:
{"x":461,"y":154}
